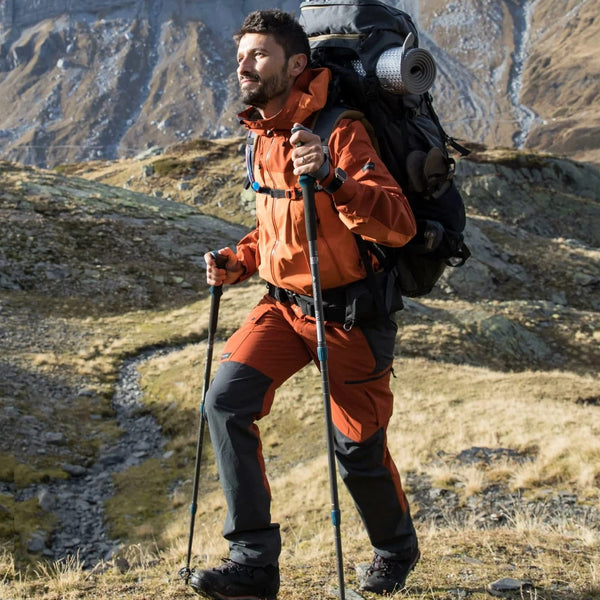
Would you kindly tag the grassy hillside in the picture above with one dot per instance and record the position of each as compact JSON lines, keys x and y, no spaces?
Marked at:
{"x":481,"y":516}
{"x":496,"y":430}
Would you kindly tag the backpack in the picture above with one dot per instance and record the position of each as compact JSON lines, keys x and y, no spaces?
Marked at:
{"x":356,"y":40}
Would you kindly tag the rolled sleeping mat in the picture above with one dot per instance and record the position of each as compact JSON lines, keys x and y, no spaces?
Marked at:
{"x":403,"y":69}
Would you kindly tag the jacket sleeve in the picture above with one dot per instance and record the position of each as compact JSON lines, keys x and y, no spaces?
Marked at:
{"x":247,"y":253}
{"x":370,"y":203}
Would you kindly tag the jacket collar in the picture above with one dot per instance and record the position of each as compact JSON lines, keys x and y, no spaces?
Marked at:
{"x":308,"y":95}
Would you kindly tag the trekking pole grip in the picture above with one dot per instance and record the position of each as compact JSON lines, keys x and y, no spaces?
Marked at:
{"x":307,"y":184}
{"x":221,"y":260}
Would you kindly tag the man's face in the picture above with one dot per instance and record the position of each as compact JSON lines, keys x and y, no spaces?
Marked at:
{"x":263,"y":71}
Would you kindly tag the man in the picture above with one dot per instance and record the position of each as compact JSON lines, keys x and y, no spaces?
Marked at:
{"x":358,"y":196}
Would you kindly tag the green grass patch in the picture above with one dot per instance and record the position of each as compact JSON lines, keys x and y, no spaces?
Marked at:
{"x":43,"y":471}
{"x":7,"y":467}
{"x":68,"y":168}
{"x":141,"y":506}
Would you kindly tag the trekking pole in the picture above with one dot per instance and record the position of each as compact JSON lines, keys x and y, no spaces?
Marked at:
{"x":307,"y":183}
{"x":216,"y":291}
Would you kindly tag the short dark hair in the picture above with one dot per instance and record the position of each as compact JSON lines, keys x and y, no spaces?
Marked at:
{"x":284,"y":27}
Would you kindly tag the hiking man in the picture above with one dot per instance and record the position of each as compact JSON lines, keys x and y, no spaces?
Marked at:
{"x":357,"y":195}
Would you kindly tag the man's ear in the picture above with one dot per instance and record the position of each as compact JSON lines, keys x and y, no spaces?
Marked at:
{"x":296,"y":64}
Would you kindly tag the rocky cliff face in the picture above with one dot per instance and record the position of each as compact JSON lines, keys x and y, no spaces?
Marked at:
{"x":109,"y":78}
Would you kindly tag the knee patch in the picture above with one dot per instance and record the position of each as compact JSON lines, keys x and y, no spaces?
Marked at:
{"x":237,"y":388}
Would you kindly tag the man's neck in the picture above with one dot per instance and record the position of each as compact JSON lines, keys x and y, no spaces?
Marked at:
{"x":273,"y":107}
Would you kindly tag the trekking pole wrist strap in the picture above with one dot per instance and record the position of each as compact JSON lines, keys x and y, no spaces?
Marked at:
{"x":323,"y":171}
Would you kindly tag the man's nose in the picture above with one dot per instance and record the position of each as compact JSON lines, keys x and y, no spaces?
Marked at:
{"x":243,"y":65}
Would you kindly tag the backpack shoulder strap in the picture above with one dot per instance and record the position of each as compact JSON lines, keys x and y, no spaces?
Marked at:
{"x":250,"y":139}
{"x":328,"y":118}
{"x":325,"y":123}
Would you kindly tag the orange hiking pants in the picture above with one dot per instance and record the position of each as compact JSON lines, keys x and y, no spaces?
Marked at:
{"x":276,"y":341}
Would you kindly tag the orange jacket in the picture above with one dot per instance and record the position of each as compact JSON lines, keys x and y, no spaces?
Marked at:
{"x":369,"y":203}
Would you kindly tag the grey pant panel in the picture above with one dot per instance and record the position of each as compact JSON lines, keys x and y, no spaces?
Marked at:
{"x":234,"y":399}
{"x":372,"y":488}
{"x":381,"y":338}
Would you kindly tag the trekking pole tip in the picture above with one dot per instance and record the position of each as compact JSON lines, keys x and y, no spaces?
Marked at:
{"x":184,"y":573}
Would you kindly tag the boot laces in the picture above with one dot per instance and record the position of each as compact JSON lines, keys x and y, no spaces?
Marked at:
{"x":230,"y":566}
{"x":380,"y":565}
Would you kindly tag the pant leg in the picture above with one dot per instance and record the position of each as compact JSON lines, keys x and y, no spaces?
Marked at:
{"x":256,"y":360}
{"x":370,"y":476}
{"x":360,"y":369}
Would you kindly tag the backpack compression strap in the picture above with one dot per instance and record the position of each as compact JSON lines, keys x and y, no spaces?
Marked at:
{"x":449,"y":140}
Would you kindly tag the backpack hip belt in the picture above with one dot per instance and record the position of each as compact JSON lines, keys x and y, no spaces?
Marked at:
{"x":334,"y":302}
{"x":351,"y":304}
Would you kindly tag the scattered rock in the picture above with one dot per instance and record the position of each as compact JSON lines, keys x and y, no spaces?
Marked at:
{"x":494,"y":506}
{"x":508,"y":586}
{"x":74,"y":470}
{"x":46,"y":500}
{"x":147,"y":170}
{"x":510,"y":338}
{"x":122,"y":564}
{"x":54,"y":437}
{"x":8,"y":283}
{"x":478,"y":454}
{"x":37,"y":542}
{"x":152,"y":151}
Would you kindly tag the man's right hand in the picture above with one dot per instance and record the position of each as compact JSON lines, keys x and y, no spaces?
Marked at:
{"x":229,"y":273}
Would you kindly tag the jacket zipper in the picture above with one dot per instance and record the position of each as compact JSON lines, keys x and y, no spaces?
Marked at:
{"x":273,"y":220}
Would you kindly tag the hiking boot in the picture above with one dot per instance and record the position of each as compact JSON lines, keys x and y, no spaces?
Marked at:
{"x":386,"y":575}
{"x":232,"y":580}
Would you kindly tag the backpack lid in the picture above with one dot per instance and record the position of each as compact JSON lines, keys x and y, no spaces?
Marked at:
{"x":367,"y":27}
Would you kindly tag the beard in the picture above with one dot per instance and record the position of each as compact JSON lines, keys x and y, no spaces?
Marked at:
{"x":267,"y":89}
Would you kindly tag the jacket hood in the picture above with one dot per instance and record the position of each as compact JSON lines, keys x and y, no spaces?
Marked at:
{"x":308,"y":95}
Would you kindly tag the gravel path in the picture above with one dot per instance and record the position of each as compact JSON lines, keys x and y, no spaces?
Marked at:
{"x":78,"y":501}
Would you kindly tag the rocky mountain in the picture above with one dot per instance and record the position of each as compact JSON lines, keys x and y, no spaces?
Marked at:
{"x":110,"y":78}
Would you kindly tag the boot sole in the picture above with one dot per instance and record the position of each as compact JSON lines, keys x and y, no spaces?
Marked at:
{"x":217,"y":596}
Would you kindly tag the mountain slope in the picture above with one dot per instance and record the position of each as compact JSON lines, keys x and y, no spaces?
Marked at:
{"x":111,"y":78}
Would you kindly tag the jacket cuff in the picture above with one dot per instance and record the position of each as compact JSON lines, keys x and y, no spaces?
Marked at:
{"x":323,"y":171}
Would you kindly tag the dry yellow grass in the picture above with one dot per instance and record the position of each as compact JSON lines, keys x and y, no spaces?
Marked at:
{"x":441,"y":411}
